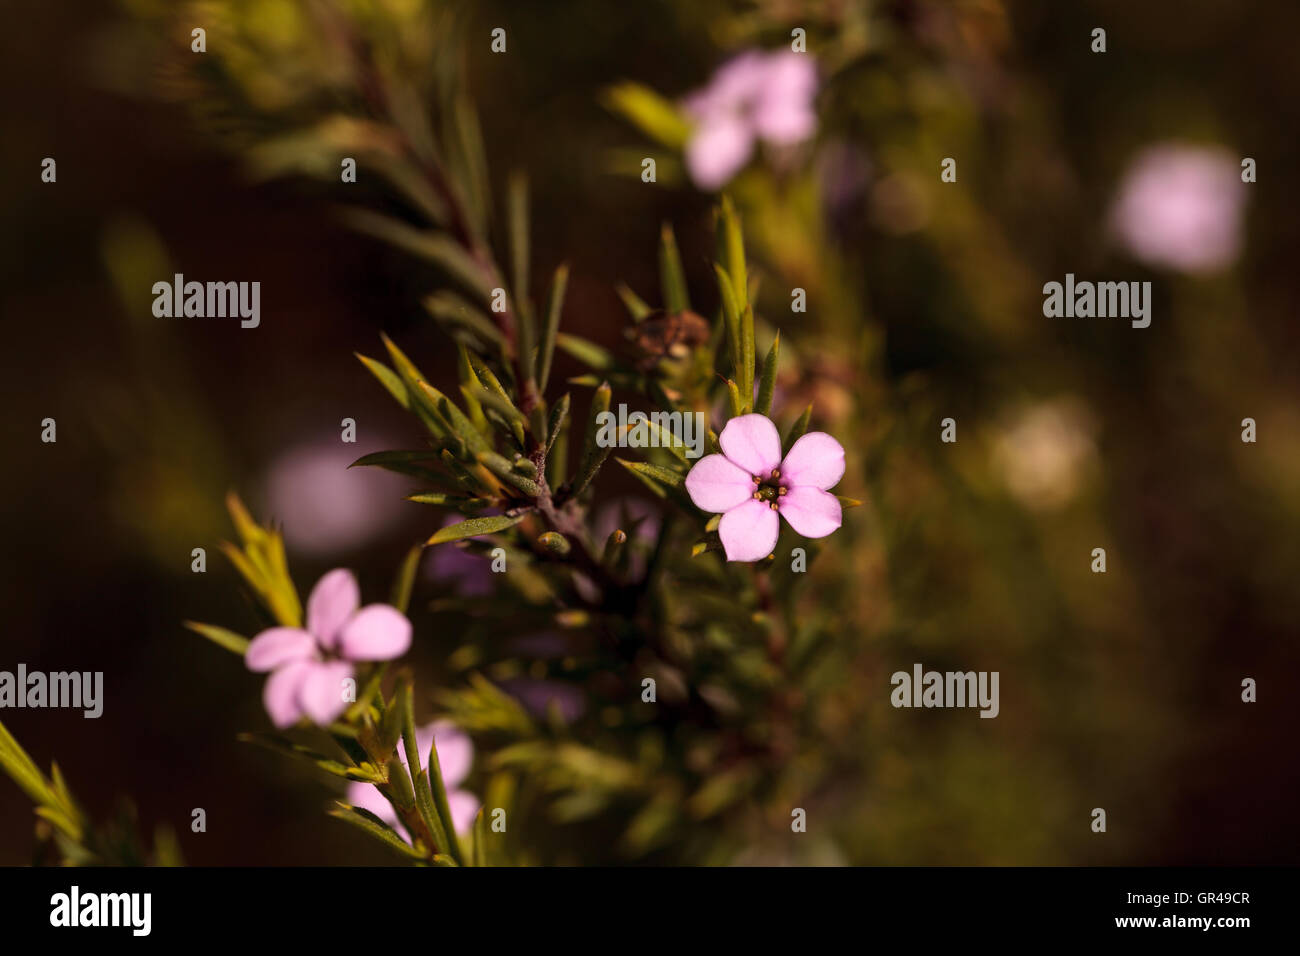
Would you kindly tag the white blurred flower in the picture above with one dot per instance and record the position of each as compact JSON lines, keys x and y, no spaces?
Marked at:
{"x":1044,"y":451}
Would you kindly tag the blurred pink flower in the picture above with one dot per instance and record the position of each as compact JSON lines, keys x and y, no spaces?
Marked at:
{"x":325,"y":506}
{"x":308,"y":665}
{"x":756,"y":95}
{"x":1181,"y":207}
{"x":751,"y":484}
{"x":455,"y":757}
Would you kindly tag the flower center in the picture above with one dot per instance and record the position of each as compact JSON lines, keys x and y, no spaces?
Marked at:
{"x":770,"y":489}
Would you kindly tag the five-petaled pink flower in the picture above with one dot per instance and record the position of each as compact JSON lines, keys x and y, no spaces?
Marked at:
{"x":751,"y":484}
{"x":308,"y":666}
{"x":455,"y":757}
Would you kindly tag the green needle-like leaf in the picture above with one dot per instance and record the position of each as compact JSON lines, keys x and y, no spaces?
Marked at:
{"x":473,"y":527}
{"x":235,"y":643}
{"x":767,"y":385}
{"x":554,"y":305}
{"x":405,"y":582}
{"x":671,"y":274}
{"x":388,"y":378}
{"x":367,"y":821}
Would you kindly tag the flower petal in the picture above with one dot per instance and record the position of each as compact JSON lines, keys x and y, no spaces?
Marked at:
{"x":783,"y":111}
{"x":320,"y":694}
{"x":366,"y":797}
{"x":719,"y":148}
{"x":812,"y":512}
{"x":752,"y":442}
{"x":464,"y":807}
{"x":815,"y":460}
{"x":378,"y":632}
{"x":749,"y":531}
{"x":718,"y":484}
{"x":333,"y":600}
{"x":277,"y":646}
{"x":455,"y":752}
{"x":280,"y":695}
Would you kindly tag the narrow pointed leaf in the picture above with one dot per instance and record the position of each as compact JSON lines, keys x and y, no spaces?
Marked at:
{"x":554,"y":306}
{"x":473,"y":527}
{"x":767,"y":386}
{"x":235,"y":643}
{"x":671,"y":274}
{"x":387,"y":378}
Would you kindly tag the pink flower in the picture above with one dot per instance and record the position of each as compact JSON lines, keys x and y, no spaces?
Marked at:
{"x":751,"y":484}
{"x":1181,"y":207}
{"x":455,"y":757}
{"x":756,"y":95}
{"x":308,"y":666}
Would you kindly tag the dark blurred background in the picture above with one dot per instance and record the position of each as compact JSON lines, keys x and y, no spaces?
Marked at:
{"x":1120,"y":691}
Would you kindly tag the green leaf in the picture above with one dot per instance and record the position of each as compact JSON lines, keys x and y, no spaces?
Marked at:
{"x":439,"y":788}
{"x":424,"y":798}
{"x":450,"y":309}
{"x":746,"y":382}
{"x":671,"y":275}
{"x":587,"y":352}
{"x":507,"y":471}
{"x":733,"y":395}
{"x":767,"y":385}
{"x":446,"y":500}
{"x":593,"y":456}
{"x":635,"y":306}
{"x":474,"y":527}
{"x":800,"y":428}
{"x":559,"y":415}
{"x":470,"y":138}
{"x":405,"y":582}
{"x":665,"y":437}
{"x":23,"y":770}
{"x":655,"y":473}
{"x":400,"y":456}
{"x":387,"y":378}
{"x":554,"y":306}
{"x":419,"y":402}
{"x":235,"y":643}
{"x":557,"y":455}
{"x":517,"y":209}
{"x":730,"y":315}
{"x":502,"y":406}
{"x":283,"y":745}
{"x":367,"y":821}
{"x":434,"y":247}
{"x":516,"y":419}
{"x":732,"y":250}
{"x":480,"y":837}
{"x":448,"y":410}
{"x":654,"y":115}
